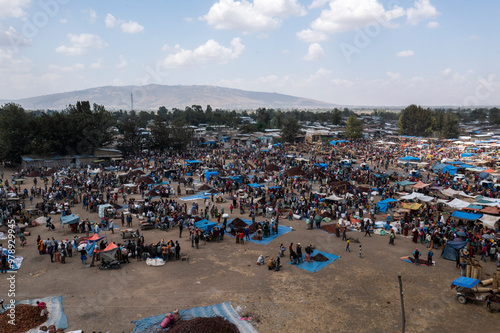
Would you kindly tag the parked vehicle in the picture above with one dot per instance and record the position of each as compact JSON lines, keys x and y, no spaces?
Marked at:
{"x":465,"y":291}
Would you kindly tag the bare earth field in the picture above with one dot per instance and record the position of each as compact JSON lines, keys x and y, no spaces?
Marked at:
{"x":350,"y":295}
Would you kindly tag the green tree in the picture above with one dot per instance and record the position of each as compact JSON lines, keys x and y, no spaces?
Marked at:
{"x":451,"y":126}
{"x":354,"y":128}
{"x":290,"y":129}
{"x":414,"y":120}
{"x":336,"y":117}
{"x":181,"y":135}
{"x":131,"y":138}
{"x":15,"y":132}
{"x":160,"y":133}
{"x":494,"y":116}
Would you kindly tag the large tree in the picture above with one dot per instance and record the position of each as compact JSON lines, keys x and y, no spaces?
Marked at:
{"x":451,"y":127}
{"x":354,"y":128}
{"x":290,"y":130}
{"x":415,"y":120}
{"x":15,"y":132}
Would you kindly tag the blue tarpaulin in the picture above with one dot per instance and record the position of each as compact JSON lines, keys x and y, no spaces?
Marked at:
{"x":205,"y":225}
{"x":384,"y":204}
{"x":467,"y":154}
{"x":266,"y":240}
{"x":409,"y":159}
{"x":274,"y":187}
{"x":451,"y":248}
{"x":210,"y":173}
{"x":466,"y":216}
{"x":152,"y":324}
{"x":192,"y":161}
{"x":69,"y":219}
{"x":322,"y":165}
{"x":405,"y":183}
{"x":255,"y":185}
{"x":334,"y":142}
{"x":315,"y":266}
{"x":465,"y":282}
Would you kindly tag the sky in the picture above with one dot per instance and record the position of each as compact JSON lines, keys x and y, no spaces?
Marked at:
{"x":347,"y":52}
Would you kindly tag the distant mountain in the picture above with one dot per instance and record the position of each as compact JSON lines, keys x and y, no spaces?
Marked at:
{"x":151,"y":97}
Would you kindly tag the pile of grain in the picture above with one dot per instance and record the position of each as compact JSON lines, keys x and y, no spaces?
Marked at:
{"x":27,"y":317}
{"x":204,"y":325}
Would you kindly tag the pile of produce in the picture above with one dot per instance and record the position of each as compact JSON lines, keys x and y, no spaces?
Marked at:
{"x":27,"y":317}
{"x":204,"y":325}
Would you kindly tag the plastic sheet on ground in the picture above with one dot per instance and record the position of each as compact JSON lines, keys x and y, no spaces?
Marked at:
{"x":56,"y":312}
{"x":195,"y":197}
{"x":265,"y":240}
{"x":225,"y":310}
{"x":315,"y":266}
{"x":423,"y":262}
{"x":155,"y":262}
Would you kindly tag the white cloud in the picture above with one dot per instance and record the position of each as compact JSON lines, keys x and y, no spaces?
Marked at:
{"x":11,"y":63}
{"x":13,"y":8}
{"x":131,"y":27}
{"x":63,"y":21}
{"x":122,"y":63}
{"x":81,"y":43}
{"x":309,"y":36}
{"x":315,"y":52}
{"x":475,"y":37}
{"x":346,"y":15}
{"x":392,"y":76}
{"x":446,"y":71}
{"x":318,"y":3}
{"x":92,"y":15}
{"x":421,"y":10}
{"x":12,"y":38}
{"x":407,"y":53}
{"x":432,"y":25}
{"x":247,"y":16}
{"x":67,"y":69}
{"x":97,"y":64}
{"x":210,"y":52}
{"x":188,"y":19}
{"x":110,"y":21}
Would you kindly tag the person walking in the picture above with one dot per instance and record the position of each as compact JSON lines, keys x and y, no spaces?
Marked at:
{"x":177,"y":250}
{"x":344,"y":236}
{"x":347,"y":246}
{"x":368,"y":227}
{"x":360,"y":255}
{"x":392,"y":236}
{"x":180,"y":228}
{"x":299,"y":253}
{"x":429,"y":257}
{"x":416,"y":255}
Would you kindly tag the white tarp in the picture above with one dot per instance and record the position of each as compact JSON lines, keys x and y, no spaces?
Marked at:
{"x":458,"y":204}
{"x":155,"y":262}
{"x":449,"y":192}
{"x":489,"y":220}
{"x":334,"y":197}
{"x":416,"y":195}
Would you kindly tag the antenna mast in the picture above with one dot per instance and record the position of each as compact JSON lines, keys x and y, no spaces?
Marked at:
{"x":132,"y":101}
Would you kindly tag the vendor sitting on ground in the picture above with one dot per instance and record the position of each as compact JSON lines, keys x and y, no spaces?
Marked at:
{"x":271,"y":264}
{"x":170,"y":319}
{"x":260,"y":261}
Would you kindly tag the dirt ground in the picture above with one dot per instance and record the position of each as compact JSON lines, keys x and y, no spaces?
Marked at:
{"x":350,"y":295}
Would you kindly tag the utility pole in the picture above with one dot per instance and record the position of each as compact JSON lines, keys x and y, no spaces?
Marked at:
{"x":402,"y":301}
{"x":131,"y":102}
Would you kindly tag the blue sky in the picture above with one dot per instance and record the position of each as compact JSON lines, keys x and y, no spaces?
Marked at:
{"x":348,"y":52}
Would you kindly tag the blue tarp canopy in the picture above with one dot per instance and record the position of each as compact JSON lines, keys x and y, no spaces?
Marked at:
{"x":334,"y":142}
{"x":409,"y":159}
{"x":70,"y":219}
{"x":467,"y":154}
{"x":205,"y":225}
{"x":192,"y":161}
{"x":274,"y":187}
{"x":444,"y":168}
{"x":475,"y":207}
{"x":322,"y":165}
{"x":384,"y":204}
{"x":451,"y":248}
{"x":381,"y":176}
{"x":465,"y":282}
{"x":210,"y":173}
{"x":237,"y":179}
{"x":255,"y":185}
{"x":466,"y":216}
{"x":277,"y":144}
{"x":405,"y":183}
{"x":484,"y":175}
